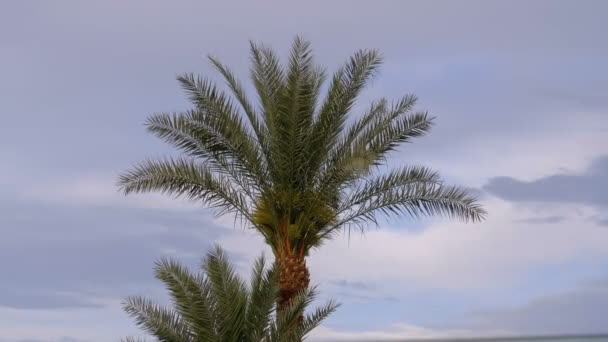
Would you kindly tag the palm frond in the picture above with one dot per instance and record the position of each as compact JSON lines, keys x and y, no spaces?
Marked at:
{"x":262,"y":301}
{"x":401,"y":131}
{"x":344,"y":89}
{"x":379,"y":132}
{"x":191,"y":296}
{"x":230,"y":293}
{"x":376,"y":110}
{"x":185,"y":177}
{"x":186,"y":132}
{"x":267,"y":75}
{"x":133,"y":339}
{"x":217,"y":114}
{"x":303,"y":81}
{"x":239,"y":93}
{"x":291,"y":323}
{"x":163,"y":323}
{"x":216,"y":306}
{"x":268,"y":78}
{"x":294,"y":113}
{"x":378,"y":119}
{"x":289,"y":318}
{"x":393,"y":180}
{"x":313,"y":320}
{"x":414,"y":200}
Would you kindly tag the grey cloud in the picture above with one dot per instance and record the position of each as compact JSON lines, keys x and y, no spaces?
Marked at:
{"x":366,"y":298}
{"x":78,"y":79}
{"x":543,"y":220}
{"x":356,"y":285}
{"x":62,"y":339}
{"x":590,"y":101}
{"x":34,"y":300}
{"x":361,"y":291}
{"x":585,"y":188}
{"x":600,"y":220}
{"x":455,"y":27}
{"x":582,"y":311}
{"x":107,"y":252}
{"x":109,"y":69}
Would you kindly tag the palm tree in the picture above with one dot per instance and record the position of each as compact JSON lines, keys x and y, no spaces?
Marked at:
{"x":217,"y":306}
{"x":293,"y":166}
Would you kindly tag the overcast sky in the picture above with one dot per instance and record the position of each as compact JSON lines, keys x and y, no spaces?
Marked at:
{"x":519,"y":89}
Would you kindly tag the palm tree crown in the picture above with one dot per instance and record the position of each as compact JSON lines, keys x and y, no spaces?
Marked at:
{"x":217,"y":306}
{"x":290,"y":165}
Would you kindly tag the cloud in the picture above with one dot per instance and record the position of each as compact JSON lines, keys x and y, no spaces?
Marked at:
{"x":587,"y":188}
{"x":98,"y":191}
{"x":61,"y":339}
{"x":359,"y":291}
{"x":65,"y":40}
{"x":477,"y":158}
{"x":580,"y":311}
{"x":57,"y":300}
{"x":543,"y":220}
{"x":92,"y":251}
{"x":595,"y":100}
{"x":504,"y":96}
{"x":81,"y":324}
{"x":357,"y":285}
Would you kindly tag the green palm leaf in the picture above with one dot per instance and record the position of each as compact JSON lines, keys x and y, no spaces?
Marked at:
{"x":191,"y":296}
{"x":297,"y":165}
{"x":216,"y":305}
{"x":186,"y":177}
{"x":163,"y":323}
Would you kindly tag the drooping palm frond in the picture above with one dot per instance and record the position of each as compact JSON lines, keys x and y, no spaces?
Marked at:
{"x":186,"y":177}
{"x":163,"y":323}
{"x":415,"y":199}
{"x":393,"y":180}
{"x":217,"y":306}
{"x":187,"y":132}
{"x":290,"y":164}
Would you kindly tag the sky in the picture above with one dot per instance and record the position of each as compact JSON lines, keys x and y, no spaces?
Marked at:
{"x":518,"y":89}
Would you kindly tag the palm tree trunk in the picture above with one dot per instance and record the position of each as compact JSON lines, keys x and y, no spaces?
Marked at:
{"x":293,"y":277}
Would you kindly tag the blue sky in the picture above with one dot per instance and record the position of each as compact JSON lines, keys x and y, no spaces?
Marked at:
{"x":519,"y":92}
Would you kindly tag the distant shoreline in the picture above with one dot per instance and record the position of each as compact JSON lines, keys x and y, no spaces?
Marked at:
{"x":604,"y":337}
{"x":513,"y":338}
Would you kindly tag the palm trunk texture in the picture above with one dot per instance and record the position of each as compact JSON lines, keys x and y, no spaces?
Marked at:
{"x":293,"y":277}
